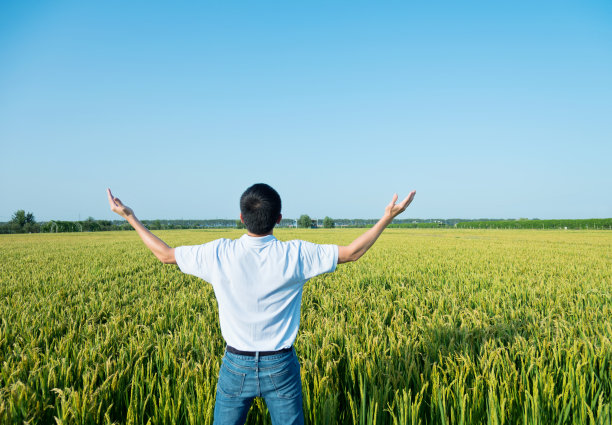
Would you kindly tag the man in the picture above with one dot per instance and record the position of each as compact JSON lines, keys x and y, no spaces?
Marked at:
{"x":258,"y":283}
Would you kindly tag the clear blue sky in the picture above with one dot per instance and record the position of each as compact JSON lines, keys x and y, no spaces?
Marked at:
{"x":487,"y":109}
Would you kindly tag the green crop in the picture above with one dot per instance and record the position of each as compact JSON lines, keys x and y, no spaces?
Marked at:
{"x":431,"y":326}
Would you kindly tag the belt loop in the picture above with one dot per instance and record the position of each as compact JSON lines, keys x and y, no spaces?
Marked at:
{"x":257,"y":360}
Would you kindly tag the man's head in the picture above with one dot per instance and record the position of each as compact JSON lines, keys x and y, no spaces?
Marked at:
{"x":260,"y":208}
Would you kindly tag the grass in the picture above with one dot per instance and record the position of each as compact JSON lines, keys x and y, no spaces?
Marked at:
{"x":431,"y":326}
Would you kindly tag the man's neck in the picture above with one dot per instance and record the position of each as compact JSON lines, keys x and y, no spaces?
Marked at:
{"x":259,"y":236}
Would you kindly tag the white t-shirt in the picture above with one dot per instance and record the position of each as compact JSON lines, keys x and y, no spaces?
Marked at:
{"x":258,"y":283}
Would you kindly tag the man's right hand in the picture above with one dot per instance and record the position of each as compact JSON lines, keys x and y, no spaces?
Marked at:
{"x":117,"y":206}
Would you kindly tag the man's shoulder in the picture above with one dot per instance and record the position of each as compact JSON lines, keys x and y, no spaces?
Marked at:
{"x":208,"y":246}
{"x":223,"y":243}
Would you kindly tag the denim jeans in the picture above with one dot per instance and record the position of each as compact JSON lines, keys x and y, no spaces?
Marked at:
{"x":276,"y":378}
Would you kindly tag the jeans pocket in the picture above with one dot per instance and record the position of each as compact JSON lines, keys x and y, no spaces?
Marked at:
{"x":287,"y":382}
{"x":230,"y":382}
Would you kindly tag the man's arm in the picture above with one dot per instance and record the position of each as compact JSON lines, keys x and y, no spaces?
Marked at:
{"x":162,"y":251}
{"x":360,"y":245}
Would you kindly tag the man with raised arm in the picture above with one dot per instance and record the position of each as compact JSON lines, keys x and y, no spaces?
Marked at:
{"x":258,"y":283}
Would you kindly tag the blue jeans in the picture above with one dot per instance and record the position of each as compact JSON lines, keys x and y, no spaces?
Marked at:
{"x":276,"y":378}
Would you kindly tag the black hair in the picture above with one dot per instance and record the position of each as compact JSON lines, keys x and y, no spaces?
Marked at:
{"x":260,"y":206}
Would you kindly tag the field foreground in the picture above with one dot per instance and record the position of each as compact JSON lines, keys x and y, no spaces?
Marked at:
{"x":431,"y":326}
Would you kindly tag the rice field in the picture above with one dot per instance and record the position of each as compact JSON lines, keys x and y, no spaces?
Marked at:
{"x":429,"y":327}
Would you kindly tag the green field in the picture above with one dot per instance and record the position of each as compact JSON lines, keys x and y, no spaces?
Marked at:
{"x":430,"y":326}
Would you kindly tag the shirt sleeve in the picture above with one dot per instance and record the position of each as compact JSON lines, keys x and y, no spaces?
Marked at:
{"x":318,"y":259}
{"x":198,"y":260}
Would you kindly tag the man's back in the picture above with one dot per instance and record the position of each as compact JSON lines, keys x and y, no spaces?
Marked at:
{"x":258,"y":284}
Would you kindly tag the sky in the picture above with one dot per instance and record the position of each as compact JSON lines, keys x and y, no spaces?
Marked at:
{"x":486,"y":109}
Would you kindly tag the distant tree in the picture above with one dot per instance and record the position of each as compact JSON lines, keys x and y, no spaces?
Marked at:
{"x":328,"y":223}
{"x":304,"y":221}
{"x":240,"y":224}
{"x":19,"y":218}
{"x":23,"y":223}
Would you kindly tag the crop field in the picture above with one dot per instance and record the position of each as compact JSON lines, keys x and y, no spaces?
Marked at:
{"x":430,"y":326}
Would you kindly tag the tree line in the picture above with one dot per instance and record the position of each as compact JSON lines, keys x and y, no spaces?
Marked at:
{"x":582,"y":224}
{"x":22,"y":222}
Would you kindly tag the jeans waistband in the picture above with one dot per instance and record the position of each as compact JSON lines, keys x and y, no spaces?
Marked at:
{"x":233,"y":350}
